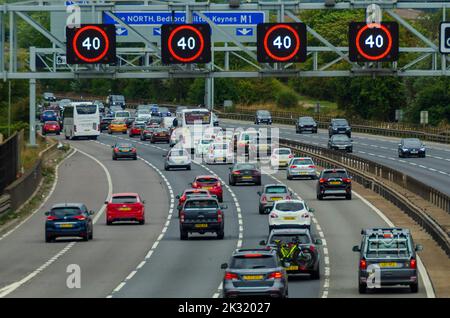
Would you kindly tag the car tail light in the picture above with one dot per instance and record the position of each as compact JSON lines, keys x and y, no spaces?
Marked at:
{"x":346,"y":180}
{"x":362,"y":264}
{"x":264,"y":198}
{"x":252,"y":255}
{"x":195,"y":185}
{"x":312,"y":167}
{"x":116,"y":149}
{"x":219,"y":216}
{"x":323,"y":180}
{"x":218,"y":184}
{"x":79,"y":217}
{"x":293,"y":167}
{"x":305,"y":215}
{"x":312,"y":248}
{"x":273,"y":215}
{"x":182,"y":215}
{"x":230,"y":276}
{"x":291,"y":156}
{"x":133,"y":150}
{"x":51,"y":218}
{"x":275,"y":275}
{"x":236,"y":172}
{"x":413,"y":263}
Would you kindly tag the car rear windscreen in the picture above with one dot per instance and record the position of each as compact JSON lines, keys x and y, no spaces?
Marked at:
{"x":289,"y":206}
{"x":124,"y":199}
{"x":336,"y":174}
{"x":290,"y":238}
{"x":124,"y":145}
{"x":177,"y":153}
{"x":220,"y":146}
{"x":283,"y":152}
{"x":122,"y":114}
{"x":86,"y":109}
{"x":379,"y":246}
{"x":262,"y":261}
{"x":201,"y":204}
{"x":67,"y":211}
{"x":302,"y":162}
{"x":245,"y":167}
{"x":206,"y":180}
{"x":276,"y":189}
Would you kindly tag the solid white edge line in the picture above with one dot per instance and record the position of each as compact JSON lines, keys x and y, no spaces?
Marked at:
{"x":422,"y":270}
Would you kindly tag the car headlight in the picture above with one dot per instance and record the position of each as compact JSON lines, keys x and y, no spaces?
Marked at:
{"x":334,"y":128}
{"x":422,"y":149}
{"x":405,"y":149}
{"x":301,"y":125}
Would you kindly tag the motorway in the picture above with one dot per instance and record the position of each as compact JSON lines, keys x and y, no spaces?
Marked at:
{"x":150,"y":260}
{"x":433,"y":170}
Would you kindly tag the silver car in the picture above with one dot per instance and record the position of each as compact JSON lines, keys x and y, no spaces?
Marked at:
{"x":301,"y":167}
{"x":177,"y":158}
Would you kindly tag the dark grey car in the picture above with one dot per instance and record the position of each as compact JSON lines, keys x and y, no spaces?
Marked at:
{"x":255,"y":272}
{"x":339,"y":126}
{"x":263,"y":116}
{"x":340,"y":142}
{"x":409,"y":147}
{"x":387,"y":257}
{"x":306,"y":123}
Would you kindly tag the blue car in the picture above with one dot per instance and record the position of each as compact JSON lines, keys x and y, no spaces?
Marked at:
{"x":164,"y":112}
{"x":69,"y":220}
{"x":154,"y":110}
{"x":49,"y":115}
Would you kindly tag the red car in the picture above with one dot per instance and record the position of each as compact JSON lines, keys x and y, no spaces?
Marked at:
{"x":160,"y":134}
{"x":125,"y":207}
{"x":135,"y":129}
{"x":210,"y":183}
{"x":188,"y":193}
{"x":51,"y":127}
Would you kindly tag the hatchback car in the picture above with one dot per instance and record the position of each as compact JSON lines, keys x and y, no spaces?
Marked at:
{"x":177,"y":158}
{"x":49,"y":115}
{"x":136,"y":128}
{"x":210,"y":183}
{"x":147,"y":132}
{"x":409,"y":147}
{"x":219,"y":153}
{"x":188,"y":193}
{"x":69,"y":220}
{"x":160,"y":135}
{"x":124,"y":150}
{"x":290,"y":213}
{"x":51,"y":127}
{"x":339,"y":126}
{"x":244,"y":173}
{"x":254,"y":272}
{"x":387,"y":257}
{"x":263,"y":116}
{"x":270,"y":194}
{"x":280,"y":158}
{"x":340,"y":142}
{"x":125,"y":207}
{"x":301,"y":167}
{"x":203,"y":147}
{"x":117,"y":125}
{"x":334,"y":182}
{"x":306,"y":124}
{"x":297,"y":249}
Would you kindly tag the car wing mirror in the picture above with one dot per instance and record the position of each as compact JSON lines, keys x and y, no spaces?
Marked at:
{"x":262,"y":243}
{"x":356,"y":248}
{"x":224,"y":266}
{"x":91,"y":212}
{"x":112,"y":146}
{"x":106,"y":202}
{"x":178,"y":196}
{"x":419,"y":248}
{"x":259,"y":193}
{"x":143,"y":201}
{"x":318,"y":241}
{"x":47,"y":213}
{"x":311,"y":210}
{"x":224,"y":206}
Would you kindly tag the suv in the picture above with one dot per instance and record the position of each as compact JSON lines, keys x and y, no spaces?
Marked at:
{"x":263,"y":116}
{"x":339,"y":126}
{"x":254,"y":272}
{"x":334,"y":182}
{"x":201,"y":215}
{"x":297,"y":250}
{"x":115,"y":100}
{"x":340,"y":142}
{"x":390,"y":254}
{"x":306,"y":124}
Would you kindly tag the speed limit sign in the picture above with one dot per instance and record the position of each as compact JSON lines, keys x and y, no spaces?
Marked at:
{"x":91,"y":44}
{"x":185,"y":43}
{"x":281,"y":42}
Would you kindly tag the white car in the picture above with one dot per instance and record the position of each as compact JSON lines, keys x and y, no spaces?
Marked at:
{"x":203,"y":147}
{"x":177,"y":158}
{"x":300,"y":167}
{"x":290,"y":214}
{"x":219,"y":153}
{"x":280,"y":157}
{"x":212,"y":132}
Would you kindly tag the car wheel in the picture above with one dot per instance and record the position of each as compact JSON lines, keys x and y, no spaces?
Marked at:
{"x":134,"y":158}
{"x":261,"y":210}
{"x":319,"y":196}
{"x":258,"y":183}
{"x":348,"y":196}
{"x":315,"y":274}
{"x":91,"y":235}
{"x":188,"y":167}
{"x":220,"y":199}
{"x":141,"y":222}
{"x":220,"y":235}
{"x":166,"y":168}
{"x":183,"y":235}
{"x":124,"y":132}
{"x":114,"y":158}
{"x":48,"y":239}
{"x":109,"y":222}
{"x":85,"y":236}
{"x":58,"y":133}
{"x":362,"y":288}
{"x":110,"y":132}
{"x":289,"y":177}
{"x":151,"y":141}
{"x":414,"y":288}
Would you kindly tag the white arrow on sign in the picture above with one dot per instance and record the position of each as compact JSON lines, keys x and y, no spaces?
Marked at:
{"x":121,"y":31}
{"x":244,"y":31}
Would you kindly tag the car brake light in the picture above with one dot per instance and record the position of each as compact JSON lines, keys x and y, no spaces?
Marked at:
{"x":236,"y":172}
{"x":133,"y":150}
{"x":264,"y":198}
{"x":195,"y":185}
{"x":275,"y":275}
{"x":252,"y":255}
{"x":273,"y":215}
{"x":312,"y":248}
{"x":346,"y":180}
{"x":230,"y":276}
{"x":291,"y":156}
{"x":312,"y":167}
{"x":219,"y":216}
{"x":362,"y":264}
{"x":79,"y":217}
{"x":51,"y":218}
{"x":116,"y":149}
{"x":218,"y":184}
{"x":323,"y":180}
{"x":293,"y":167}
{"x":413,"y":263}
{"x":182,"y":217}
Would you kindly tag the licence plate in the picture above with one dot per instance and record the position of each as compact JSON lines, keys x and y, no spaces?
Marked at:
{"x":246,"y":177}
{"x":292,"y":268}
{"x":207,"y":188}
{"x":201,"y":225}
{"x":124,"y":209}
{"x":388,"y":264}
{"x":220,"y":158}
{"x":123,"y":150}
{"x":87,"y":130}
{"x":413,"y":151}
{"x":335,"y":182}
{"x":302,"y":172}
{"x":289,"y":218}
{"x":253,"y":277}
{"x":65,"y":226}
{"x":276,"y":199}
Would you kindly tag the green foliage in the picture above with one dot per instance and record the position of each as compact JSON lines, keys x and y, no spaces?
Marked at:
{"x":287,"y":99}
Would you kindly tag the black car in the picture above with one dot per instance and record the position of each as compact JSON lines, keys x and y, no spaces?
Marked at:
{"x":202,"y":215}
{"x":409,"y":147}
{"x":254,"y":272}
{"x":391,"y":254}
{"x":334,"y":182}
{"x":306,"y":124}
{"x":339,"y":126}
{"x":340,"y":142}
{"x":297,"y":250}
{"x":244,"y":173}
{"x":69,"y":220}
{"x":104,"y":123}
{"x":263,"y":116}
{"x":124,"y":150}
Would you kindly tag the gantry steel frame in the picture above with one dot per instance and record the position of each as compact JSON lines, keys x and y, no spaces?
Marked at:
{"x":144,"y":62}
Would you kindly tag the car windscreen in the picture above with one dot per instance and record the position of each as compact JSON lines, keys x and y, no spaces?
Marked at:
{"x":289,"y":206}
{"x":206,"y":141}
{"x":290,"y":238}
{"x":201,"y":204}
{"x":122,"y":114}
{"x":245,"y":166}
{"x":124,"y":199}
{"x":337,"y":174}
{"x":283,"y":152}
{"x":302,"y":162}
{"x":177,"y":153}
{"x":253,"y":262}
{"x":276,"y":189}
{"x":206,"y":180}
{"x":341,"y":122}
{"x":86,"y":109}
{"x":378,"y":246}
{"x":66,"y":211}
{"x":340,"y":138}
{"x":412,"y":143}
{"x":220,"y":146}
{"x":264,"y":113}
{"x":306,"y":120}
{"x":200,"y":117}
